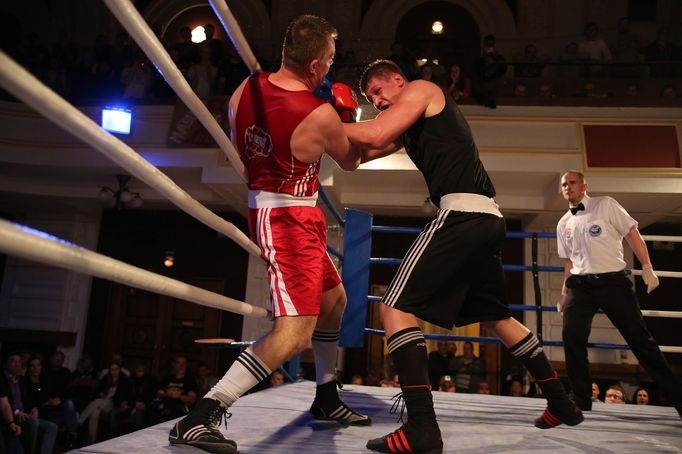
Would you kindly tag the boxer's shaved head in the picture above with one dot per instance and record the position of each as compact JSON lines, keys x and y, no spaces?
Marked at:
{"x":306,"y":39}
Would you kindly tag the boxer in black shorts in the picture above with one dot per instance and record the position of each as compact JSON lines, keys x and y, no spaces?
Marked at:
{"x":452,"y":273}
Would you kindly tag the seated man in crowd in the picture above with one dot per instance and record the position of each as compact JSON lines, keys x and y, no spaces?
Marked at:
{"x":176,"y":393}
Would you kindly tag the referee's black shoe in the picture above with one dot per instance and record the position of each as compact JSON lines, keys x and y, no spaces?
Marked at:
{"x":200,"y":429}
{"x":340,"y":413}
{"x":327,"y":406}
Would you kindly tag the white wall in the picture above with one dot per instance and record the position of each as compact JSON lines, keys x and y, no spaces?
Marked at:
{"x":40,"y":297}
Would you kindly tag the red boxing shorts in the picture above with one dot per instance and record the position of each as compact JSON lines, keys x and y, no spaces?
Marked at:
{"x":294,"y":244}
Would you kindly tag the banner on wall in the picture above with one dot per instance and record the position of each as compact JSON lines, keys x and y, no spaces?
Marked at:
{"x":187,"y":132}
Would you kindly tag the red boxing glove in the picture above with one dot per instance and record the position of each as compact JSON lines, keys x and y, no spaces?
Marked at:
{"x":345,"y":102}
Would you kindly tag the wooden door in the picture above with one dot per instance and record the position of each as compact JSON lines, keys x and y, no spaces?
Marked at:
{"x":152,"y":329}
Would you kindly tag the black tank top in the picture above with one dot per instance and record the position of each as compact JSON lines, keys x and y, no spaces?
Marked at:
{"x":443,"y":148}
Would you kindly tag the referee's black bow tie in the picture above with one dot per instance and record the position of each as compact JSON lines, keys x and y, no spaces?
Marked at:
{"x":580,"y":207}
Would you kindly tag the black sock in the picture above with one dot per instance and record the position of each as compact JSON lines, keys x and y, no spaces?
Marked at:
{"x":408,"y":352}
{"x":530,"y":353}
{"x":327,"y":395}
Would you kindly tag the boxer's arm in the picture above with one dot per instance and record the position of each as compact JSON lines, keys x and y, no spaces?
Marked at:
{"x":232,"y":110}
{"x":337,"y":145}
{"x":387,"y":127}
{"x":322,"y":132}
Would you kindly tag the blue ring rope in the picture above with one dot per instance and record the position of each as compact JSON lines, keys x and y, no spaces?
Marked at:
{"x":330,"y":205}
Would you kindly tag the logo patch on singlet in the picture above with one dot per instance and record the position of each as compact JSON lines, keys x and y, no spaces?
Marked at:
{"x":257,"y":142}
{"x":595,"y":230}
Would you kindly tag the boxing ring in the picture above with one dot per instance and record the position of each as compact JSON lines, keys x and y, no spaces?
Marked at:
{"x":277,"y":420}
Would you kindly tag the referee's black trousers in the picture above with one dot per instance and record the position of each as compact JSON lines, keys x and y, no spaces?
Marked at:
{"x":613,"y":293}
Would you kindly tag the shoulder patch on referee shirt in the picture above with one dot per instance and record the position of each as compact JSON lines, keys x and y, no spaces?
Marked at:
{"x":567,"y":233}
{"x":595,"y":230}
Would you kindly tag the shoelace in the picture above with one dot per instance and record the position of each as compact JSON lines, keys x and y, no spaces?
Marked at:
{"x":219,"y":415}
{"x":399,"y":401}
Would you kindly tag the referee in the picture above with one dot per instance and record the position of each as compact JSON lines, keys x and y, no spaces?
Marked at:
{"x":590,"y":240}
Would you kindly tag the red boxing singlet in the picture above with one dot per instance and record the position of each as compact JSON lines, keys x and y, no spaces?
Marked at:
{"x":267,"y":116}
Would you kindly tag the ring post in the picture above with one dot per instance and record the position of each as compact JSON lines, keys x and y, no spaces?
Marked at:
{"x":536,"y":289}
{"x":357,"y":247}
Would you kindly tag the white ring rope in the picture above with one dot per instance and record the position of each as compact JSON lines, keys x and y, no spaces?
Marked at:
{"x":26,"y":87}
{"x":669,"y":239}
{"x":233,"y":29}
{"x":668,"y":349}
{"x":41,"y":247}
{"x":660,"y":273}
{"x":663,"y":314}
{"x":138,"y":29}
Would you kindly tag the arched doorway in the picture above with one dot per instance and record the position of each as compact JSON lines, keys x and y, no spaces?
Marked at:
{"x":458,"y":43}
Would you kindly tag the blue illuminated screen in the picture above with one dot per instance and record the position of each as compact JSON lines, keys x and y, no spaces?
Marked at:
{"x":116,"y":120}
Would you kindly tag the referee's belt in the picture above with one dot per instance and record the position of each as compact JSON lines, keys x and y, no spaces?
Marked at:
{"x":602,"y":275}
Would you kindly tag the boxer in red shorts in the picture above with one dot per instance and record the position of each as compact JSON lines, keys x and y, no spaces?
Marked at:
{"x":281,"y":131}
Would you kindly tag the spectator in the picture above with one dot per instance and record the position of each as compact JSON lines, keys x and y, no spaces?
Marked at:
{"x":176,"y":393}
{"x":371,"y":380}
{"x":662,"y":52}
{"x":207,"y":380}
{"x":51,"y":402}
{"x":58,"y":378}
{"x":186,"y":50}
{"x":121,"y":54}
{"x":10,"y":430}
{"x":84,"y":370}
{"x":137,"y":78}
{"x":590,"y":91}
{"x":426,"y":71}
{"x":641,"y":396}
{"x":571,"y":61}
{"x":83,"y":382}
{"x":516,"y":389}
{"x":356,"y":380}
{"x":277,"y":379}
{"x":439,"y":360}
{"x":104,"y":402}
{"x":484,"y":387}
{"x":35,"y":431}
{"x":467,"y":369}
{"x":628,"y":46}
{"x":546,"y":91}
{"x":594,"y":47}
{"x":520,"y":89}
{"x":669,"y":92}
{"x":595,"y":392}
{"x":439,"y":76}
{"x":447,"y":385}
{"x":133,"y":400}
{"x":491,"y":67}
{"x":233,"y":72}
{"x":216,"y":48}
{"x":118,"y":359}
{"x":615,"y":394}
{"x":202,"y":75}
{"x":632,"y":90}
{"x":530,"y":64}
{"x":458,"y":86}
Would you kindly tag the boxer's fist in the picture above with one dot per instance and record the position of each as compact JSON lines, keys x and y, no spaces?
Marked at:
{"x":345,"y":102}
{"x":324,"y":91}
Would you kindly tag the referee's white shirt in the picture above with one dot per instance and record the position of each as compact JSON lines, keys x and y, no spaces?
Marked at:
{"x":593,"y":238}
